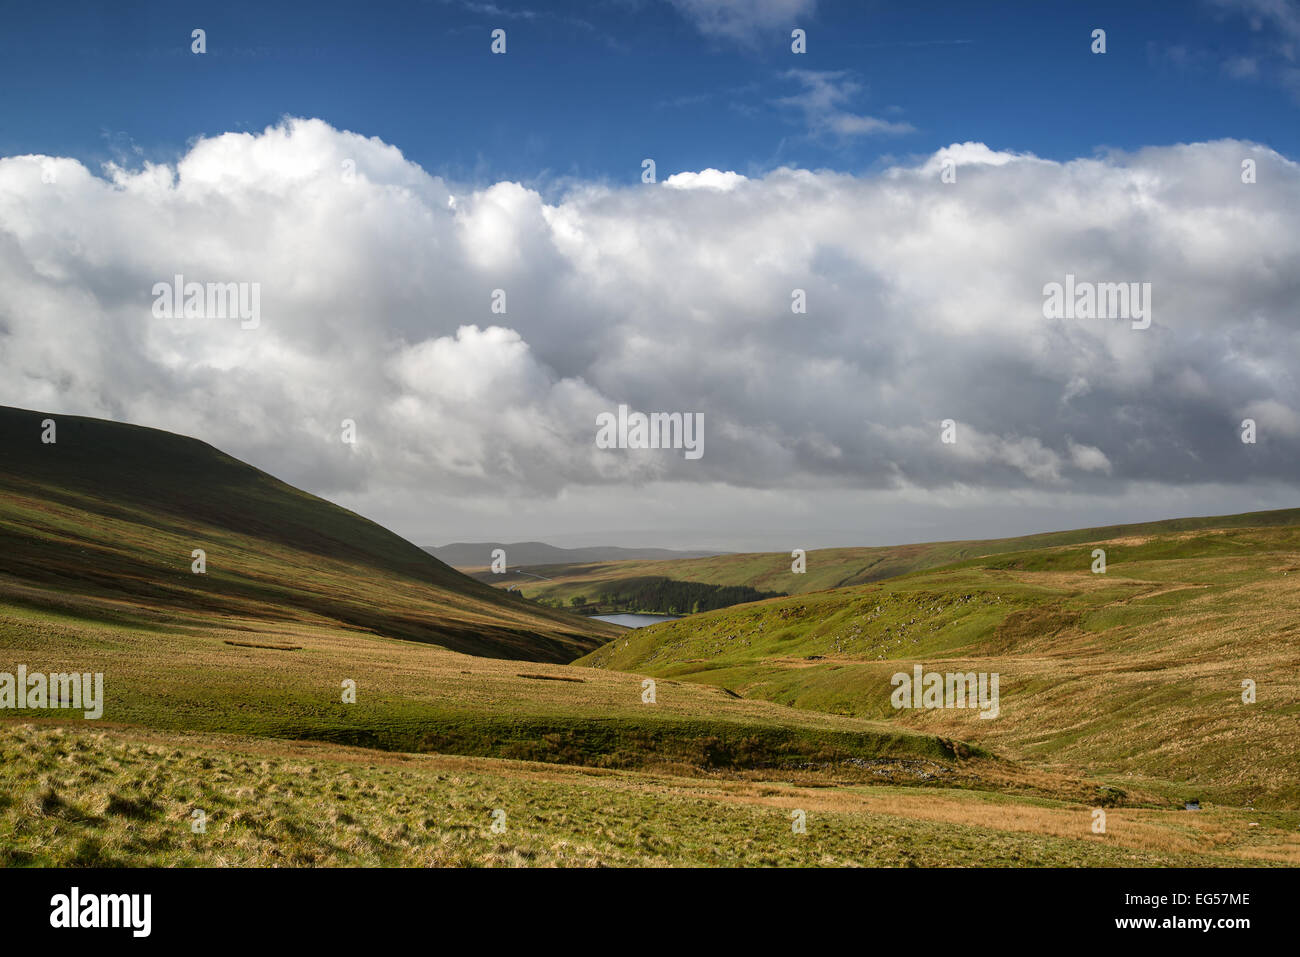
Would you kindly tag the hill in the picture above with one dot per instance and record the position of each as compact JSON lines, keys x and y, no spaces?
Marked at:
{"x":106,"y":519}
{"x":1135,"y":674}
{"x":829,"y":567}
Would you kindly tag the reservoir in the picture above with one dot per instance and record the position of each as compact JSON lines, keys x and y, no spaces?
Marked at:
{"x":635,"y":621}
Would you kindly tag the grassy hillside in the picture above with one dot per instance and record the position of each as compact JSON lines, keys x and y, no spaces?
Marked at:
{"x":278,"y":680}
{"x":1135,"y":673}
{"x":96,"y":534}
{"x":105,"y":520}
{"x":830,"y":567}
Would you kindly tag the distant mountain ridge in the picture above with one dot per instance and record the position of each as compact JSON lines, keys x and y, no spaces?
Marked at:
{"x":479,"y":554}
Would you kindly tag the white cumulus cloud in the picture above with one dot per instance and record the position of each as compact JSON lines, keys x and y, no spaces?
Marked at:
{"x":924,"y":302}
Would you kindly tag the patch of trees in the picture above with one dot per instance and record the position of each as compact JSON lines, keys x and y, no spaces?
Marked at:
{"x":665,"y":596}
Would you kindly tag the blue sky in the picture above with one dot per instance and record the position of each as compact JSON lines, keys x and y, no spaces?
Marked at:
{"x":587,"y":90}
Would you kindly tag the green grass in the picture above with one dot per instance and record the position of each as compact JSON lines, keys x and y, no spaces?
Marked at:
{"x":112,"y":798}
{"x":230,"y":676}
{"x":1135,"y":673}
{"x":301,"y":596}
{"x":223,"y":691}
{"x":841,"y":567}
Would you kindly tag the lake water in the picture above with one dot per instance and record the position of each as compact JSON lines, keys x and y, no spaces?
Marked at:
{"x":635,"y":621}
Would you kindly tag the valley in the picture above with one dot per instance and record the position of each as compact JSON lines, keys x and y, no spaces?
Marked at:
{"x":326,"y":693}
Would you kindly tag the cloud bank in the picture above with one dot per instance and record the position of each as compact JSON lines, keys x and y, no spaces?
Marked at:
{"x":474,"y":334}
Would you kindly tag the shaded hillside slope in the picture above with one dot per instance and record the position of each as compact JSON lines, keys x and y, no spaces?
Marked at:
{"x":108,"y":517}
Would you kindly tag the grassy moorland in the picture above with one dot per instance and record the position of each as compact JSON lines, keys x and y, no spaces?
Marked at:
{"x":276,"y":680}
{"x":1135,"y":674}
{"x":82,"y":797}
{"x":828,"y":567}
{"x":225,"y":692}
{"x":300,"y":597}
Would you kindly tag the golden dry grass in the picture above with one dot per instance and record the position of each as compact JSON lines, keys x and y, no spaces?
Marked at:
{"x":72,"y":796}
{"x":1134,"y":675}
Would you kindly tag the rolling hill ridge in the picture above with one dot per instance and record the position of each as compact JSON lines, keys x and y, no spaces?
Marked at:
{"x":109,"y":515}
{"x":827,"y":568}
{"x":1137,"y":674}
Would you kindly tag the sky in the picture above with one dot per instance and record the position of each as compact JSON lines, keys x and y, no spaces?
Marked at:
{"x":462,"y":254}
